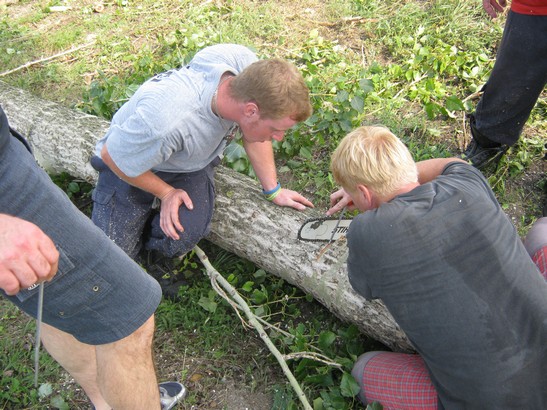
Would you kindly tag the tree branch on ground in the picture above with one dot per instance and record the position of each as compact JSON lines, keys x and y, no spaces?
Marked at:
{"x":214,"y":276}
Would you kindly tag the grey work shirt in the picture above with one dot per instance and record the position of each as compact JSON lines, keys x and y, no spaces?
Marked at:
{"x":168,"y":124}
{"x":451,"y":269}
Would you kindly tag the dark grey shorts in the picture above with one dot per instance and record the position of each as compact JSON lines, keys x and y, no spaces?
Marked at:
{"x":99,"y":295}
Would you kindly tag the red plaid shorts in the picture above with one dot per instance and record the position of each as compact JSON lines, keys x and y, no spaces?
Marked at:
{"x":540,"y":259}
{"x":399,"y":381}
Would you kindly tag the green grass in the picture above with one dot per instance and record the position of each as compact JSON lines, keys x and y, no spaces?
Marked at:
{"x":411,"y":65}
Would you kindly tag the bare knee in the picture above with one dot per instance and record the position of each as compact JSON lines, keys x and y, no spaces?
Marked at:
{"x":137,"y":343}
{"x":143,"y":336}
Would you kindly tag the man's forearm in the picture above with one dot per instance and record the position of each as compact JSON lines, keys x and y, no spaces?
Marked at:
{"x":262,"y":159}
{"x":147,"y":181}
{"x":430,"y":169}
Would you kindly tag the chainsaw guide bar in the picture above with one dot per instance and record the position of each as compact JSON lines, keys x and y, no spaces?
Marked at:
{"x":323,"y":229}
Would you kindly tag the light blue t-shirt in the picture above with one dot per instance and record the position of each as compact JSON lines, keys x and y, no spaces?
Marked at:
{"x":168,"y":124}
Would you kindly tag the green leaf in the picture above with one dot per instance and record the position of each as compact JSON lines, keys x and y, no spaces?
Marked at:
{"x":305,"y":152}
{"x":234,"y":151}
{"x":342,"y":96}
{"x":326,"y":339}
{"x":349,"y":387}
{"x":248,"y":286}
{"x":453,"y":103}
{"x":59,"y":403}
{"x":45,"y":390}
{"x":208,"y":304}
{"x":431,"y":110}
{"x":318,"y":404}
{"x":357,"y":103}
{"x":259,"y":296}
{"x":73,"y":187}
{"x":366,"y":85}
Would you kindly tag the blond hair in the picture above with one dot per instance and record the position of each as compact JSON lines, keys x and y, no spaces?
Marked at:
{"x":276,"y":87}
{"x":374,"y":157}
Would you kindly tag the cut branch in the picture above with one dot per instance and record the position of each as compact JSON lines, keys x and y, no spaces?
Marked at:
{"x":45,"y":59}
{"x":236,"y":297}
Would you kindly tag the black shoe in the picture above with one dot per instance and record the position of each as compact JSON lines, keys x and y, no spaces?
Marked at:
{"x":166,"y":271}
{"x":481,"y":157}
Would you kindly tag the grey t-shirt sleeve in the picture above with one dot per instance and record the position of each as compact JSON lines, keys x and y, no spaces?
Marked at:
{"x":233,"y":57}
{"x":134,"y":146}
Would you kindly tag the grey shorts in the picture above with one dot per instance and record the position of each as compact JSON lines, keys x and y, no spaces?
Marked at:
{"x":99,"y":295}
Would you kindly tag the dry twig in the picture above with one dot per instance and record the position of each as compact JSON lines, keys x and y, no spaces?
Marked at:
{"x":43,"y":60}
{"x":229,"y":289}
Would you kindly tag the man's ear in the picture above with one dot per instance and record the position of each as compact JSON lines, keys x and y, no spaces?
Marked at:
{"x":250,"y":109}
{"x":367,"y":194}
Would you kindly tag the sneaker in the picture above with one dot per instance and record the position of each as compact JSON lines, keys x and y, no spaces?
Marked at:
{"x":481,"y":157}
{"x":170,"y":394}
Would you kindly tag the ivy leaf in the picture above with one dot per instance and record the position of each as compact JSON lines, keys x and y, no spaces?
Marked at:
{"x":453,"y":103}
{"x":326,"y":339}
{"x":349,"y":387}
{"x":259,"y":297}
{"x":357,"y":103}
{"x":45,"y":390}
{"x":207,"y":304}
{"x":366,"y":85}
{"x":248,"y":286}
{"x":431,"y":110}
{"x":234,"y":151}
{"x":59,"y":403}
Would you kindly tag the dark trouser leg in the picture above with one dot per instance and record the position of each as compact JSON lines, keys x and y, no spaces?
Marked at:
{"x":200,"y":187}
{"x":517,"y":79}
{"x":120,"y":209}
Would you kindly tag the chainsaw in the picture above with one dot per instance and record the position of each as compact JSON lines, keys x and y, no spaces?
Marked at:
{"x":324,"y":229}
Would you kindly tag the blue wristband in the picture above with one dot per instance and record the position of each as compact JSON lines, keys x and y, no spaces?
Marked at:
{"x":273,"y":190}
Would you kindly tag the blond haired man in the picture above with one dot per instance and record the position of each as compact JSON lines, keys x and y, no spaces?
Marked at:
{"x":435,"y":246}
{"x":166,"y":140}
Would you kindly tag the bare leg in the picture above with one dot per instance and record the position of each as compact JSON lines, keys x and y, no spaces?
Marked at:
{"x":117,"y":375}
{"x":125,"y":371}
{"x":76,"y":358}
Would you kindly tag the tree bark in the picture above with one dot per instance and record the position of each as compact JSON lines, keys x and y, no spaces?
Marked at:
{"x":244,"y":222}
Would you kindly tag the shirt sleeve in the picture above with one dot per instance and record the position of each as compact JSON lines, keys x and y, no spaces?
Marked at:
{"x":233,"y":57}
{"x":467,"y":179}
{"x":134,"y":146}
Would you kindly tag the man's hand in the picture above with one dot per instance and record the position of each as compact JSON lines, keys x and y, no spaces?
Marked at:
{"x":293,"y":199}
{"x":27,"y":255}
{"x":169,"y":212}
{"x":493,"y":7}
{"x":340,"y":200}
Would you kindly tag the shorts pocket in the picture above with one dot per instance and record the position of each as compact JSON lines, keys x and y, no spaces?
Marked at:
{"x":101,"y":196}
{"x":74,"y":288}
{"x":65,"y":266}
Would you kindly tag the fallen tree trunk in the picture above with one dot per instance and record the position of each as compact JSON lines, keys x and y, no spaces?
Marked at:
{"x":244,"y":223}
